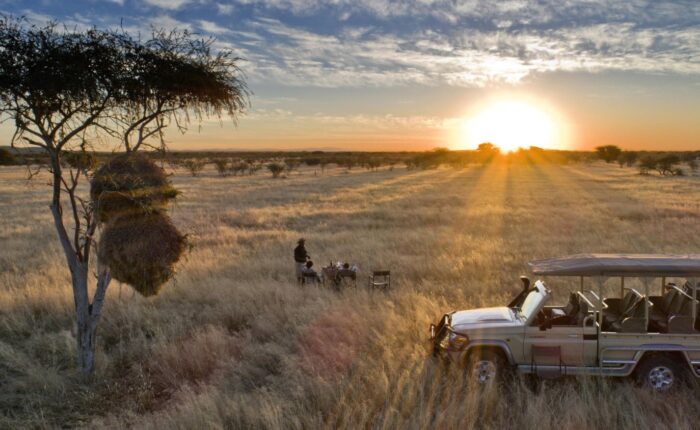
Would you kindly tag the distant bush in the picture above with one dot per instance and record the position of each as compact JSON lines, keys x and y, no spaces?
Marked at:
{"x":312,"y":161}
{"x":6,"y":158}
{"x":195,"y":167}
{"x":222,"y":166}
{"x":608,"y":153}
{"x":666,"y":165}
{"x":292,"y":164}
{"x":646,"y":165}
{"x":627,"y":158}
{"x":253,"y":168}
{"x":276,"y":169}
{"x":693,"y":165}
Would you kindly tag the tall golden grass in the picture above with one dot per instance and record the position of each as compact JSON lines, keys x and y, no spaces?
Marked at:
{"x":233,"y":342}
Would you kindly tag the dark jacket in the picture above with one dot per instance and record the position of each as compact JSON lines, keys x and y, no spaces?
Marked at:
{"x":300,"y":254}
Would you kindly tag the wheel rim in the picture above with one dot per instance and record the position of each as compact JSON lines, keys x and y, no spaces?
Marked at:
{"x":661,"y":378}
{"x":484,"y":371}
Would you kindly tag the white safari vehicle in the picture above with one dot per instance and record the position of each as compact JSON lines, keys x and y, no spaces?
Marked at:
{"x":649,"y":332}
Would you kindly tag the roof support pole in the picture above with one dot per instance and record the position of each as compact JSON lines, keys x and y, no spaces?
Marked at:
{"x":622,"y":287}
{"x":694,"y":286}
{"x":646,"y":281}
{"x":663,"y":284}
{"x":581,"y":287}
{"x":600,"y":280}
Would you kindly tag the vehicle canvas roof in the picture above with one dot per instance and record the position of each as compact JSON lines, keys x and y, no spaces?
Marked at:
{"x":632,"y":265}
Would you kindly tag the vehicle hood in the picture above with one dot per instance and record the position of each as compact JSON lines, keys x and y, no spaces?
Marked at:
{"x":485,"y":316}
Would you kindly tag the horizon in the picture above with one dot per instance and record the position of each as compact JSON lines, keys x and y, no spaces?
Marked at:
{"x":373,"y":76}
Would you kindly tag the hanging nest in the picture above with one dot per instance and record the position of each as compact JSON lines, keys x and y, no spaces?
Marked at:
{"x":128,"y":184}
{"x":141,"y":250}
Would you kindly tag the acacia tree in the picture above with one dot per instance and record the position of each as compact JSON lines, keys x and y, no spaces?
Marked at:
{"x":608,"y":153}
{"x":61,"y":88}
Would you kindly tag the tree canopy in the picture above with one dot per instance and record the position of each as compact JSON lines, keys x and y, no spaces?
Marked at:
{"x":67,"y":91}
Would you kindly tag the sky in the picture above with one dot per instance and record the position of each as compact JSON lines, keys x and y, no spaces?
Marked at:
{"x":419,"y":74}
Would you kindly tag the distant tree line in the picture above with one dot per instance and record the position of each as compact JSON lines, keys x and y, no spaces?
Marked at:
{"x":280,"y":164}
{"x":647,"y":162}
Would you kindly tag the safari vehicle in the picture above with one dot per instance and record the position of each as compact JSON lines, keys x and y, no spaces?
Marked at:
{"x":654,"y":338}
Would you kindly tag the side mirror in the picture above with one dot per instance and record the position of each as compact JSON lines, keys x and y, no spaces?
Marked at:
{"x":526,"y":282}
{"x":545,"y":325}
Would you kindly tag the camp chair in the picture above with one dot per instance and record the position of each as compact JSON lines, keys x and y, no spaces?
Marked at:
{"x":379,"y":279}
{"x":310,"y":278}
{"x":346,"y":277}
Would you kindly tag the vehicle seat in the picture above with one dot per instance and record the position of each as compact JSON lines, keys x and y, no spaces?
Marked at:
{"x":631,"y":321}
{"x":571,"y":311}
{"x":582,"y":312}
{"x":663,"y":308}
{"x":617,"y":309}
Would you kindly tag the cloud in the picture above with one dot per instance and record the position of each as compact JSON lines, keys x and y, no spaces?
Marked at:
{"x":224,"y":9}
{"x":434,"y":42}
{"x":168,"y":4}
{"x":212,"y":27}
{"x":469,"y":57}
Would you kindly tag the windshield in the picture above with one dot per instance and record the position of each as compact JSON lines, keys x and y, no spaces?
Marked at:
{"x":532,"y":303}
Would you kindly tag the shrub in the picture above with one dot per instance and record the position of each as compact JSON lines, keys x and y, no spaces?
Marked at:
{"x":666,"y":165}
{"x":627,"y":158}
{"x":222,"y":166}
{"x":6,"y":157}
{"x":608,"y":153}
{"x":276,"y":169}
{"x":195,"y":167}
{"x":253,"y":168}
{"x":646,"y":165}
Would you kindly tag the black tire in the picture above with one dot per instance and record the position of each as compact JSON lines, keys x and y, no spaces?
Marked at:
{"x":483,"y":367}
{"x":661,"y":373}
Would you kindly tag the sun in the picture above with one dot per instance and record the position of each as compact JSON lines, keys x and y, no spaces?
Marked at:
{"x":512,"y":124}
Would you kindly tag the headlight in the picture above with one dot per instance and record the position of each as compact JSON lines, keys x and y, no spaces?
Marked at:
{"x":458,"y":341}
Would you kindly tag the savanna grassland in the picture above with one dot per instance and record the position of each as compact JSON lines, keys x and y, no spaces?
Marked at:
{"x":233,"y":342}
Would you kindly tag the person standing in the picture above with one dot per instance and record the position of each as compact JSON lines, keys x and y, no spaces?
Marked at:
{"x":300,"y":257}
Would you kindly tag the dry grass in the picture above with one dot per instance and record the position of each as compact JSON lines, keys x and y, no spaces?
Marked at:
{"x":234,"y":343}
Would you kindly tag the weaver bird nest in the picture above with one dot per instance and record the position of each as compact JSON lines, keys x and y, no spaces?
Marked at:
{"x":130,"y":183}
{"x":139,"y":243}
{"x":141,"y":250}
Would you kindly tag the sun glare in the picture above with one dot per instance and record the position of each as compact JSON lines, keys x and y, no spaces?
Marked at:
{"x":511,"y":125}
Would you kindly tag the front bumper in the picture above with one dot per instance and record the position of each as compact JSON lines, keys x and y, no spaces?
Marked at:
{"x":438,"y":340}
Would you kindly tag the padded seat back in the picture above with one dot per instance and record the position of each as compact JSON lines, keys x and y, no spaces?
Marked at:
{"x":676,"y":304}
{"x":629,"y":300}
{"x":667,"y":299}
{"x":582,"y":312}
{"x":638,"y":310}
{"x":686,"y":308}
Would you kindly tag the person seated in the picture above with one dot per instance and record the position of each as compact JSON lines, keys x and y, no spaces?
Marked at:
{"x":346,"y":272}
{"x":308,"y":274}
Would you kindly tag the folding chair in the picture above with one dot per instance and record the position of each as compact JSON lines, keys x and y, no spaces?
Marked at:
{"x":379,"y":279}
{"x":345,"y":277}
{"x":309,"y":278}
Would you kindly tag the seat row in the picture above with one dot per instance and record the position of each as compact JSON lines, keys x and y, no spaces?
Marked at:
{"x":670,"y":313}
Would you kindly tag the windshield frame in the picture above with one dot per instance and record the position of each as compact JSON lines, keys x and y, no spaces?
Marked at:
{"x":539,"y":295}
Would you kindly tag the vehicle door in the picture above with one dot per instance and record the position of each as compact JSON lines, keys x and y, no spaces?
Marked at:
{"x":559,"y":345}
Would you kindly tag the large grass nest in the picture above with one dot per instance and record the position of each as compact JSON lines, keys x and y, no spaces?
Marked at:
{"x":141,"y":250}
{"x":128,"y":184}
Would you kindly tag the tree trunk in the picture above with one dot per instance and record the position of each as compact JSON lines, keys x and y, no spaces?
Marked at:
{"x":85,"y":335}
{"x":86,"y":347}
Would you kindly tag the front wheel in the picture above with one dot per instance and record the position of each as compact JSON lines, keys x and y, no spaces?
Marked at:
{"x":660,"y":373}
{"x":485,"y":367}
